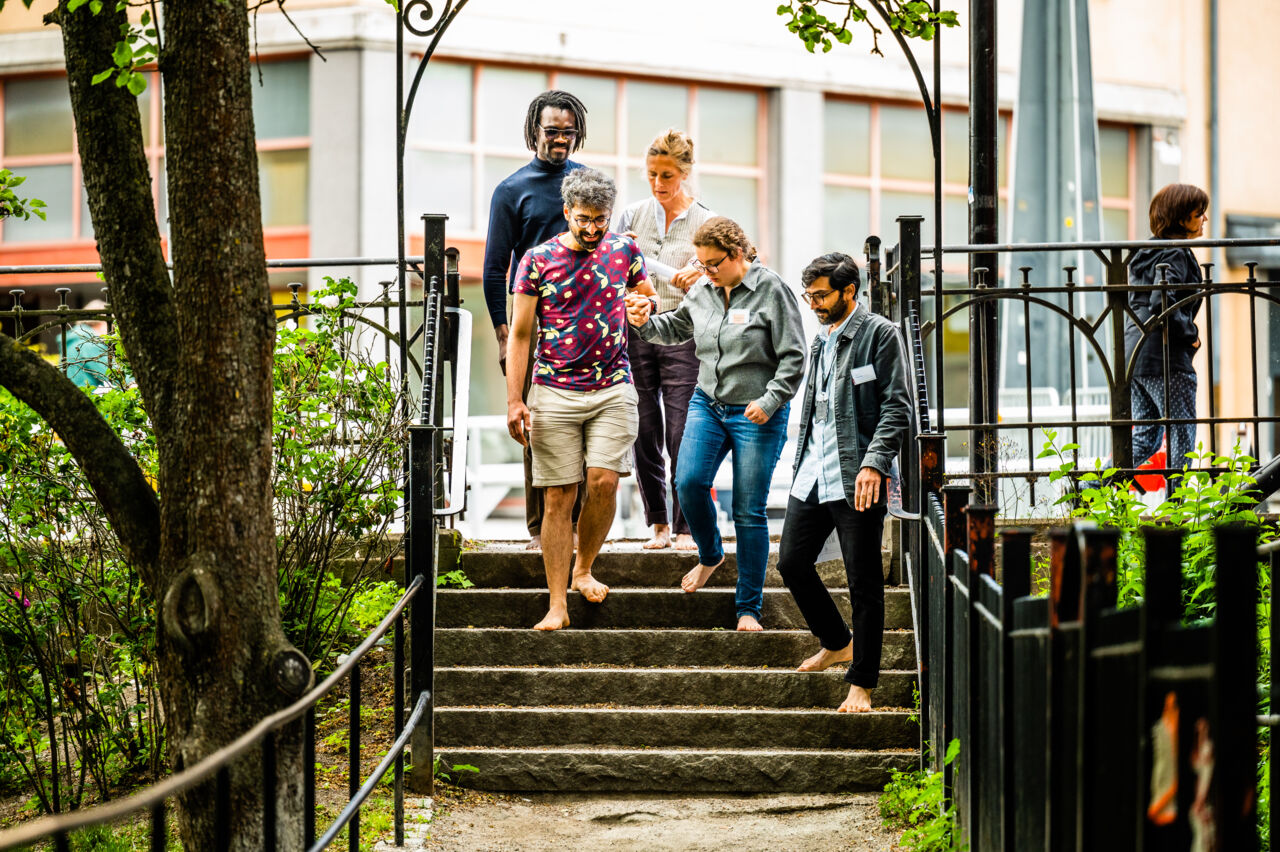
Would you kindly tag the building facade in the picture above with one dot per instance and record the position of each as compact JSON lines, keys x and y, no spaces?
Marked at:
{"x":811,"y":153}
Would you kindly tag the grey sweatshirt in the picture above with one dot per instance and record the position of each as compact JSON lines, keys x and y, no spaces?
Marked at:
{"x":752,"y":352}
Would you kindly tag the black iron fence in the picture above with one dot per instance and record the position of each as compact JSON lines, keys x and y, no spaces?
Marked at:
{"x":434,"y":356}
{"x":1059,"y":360}
{"x":1084,"y":726}
{"x":1081,"y":725}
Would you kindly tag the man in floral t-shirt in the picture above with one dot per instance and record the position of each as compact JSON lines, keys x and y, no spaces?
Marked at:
{"x":582,"y":405}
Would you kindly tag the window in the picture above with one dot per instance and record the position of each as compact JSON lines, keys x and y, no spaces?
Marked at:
{"x":878,"y":165}
{"x":468,"y":136}
{"x":38,"y":141}
{"x":1116,"y":147}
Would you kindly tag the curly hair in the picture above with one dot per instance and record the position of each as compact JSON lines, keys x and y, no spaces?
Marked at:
{"x":589,"y":189}
{"x":721,"y":232}
{"x":555,"y":99}
{"x":1172,"y":206}
{"x":837,"y":267}
{"x":675,"y":144}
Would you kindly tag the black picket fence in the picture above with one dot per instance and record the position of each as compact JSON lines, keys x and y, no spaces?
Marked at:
{"x":1083,"y":726}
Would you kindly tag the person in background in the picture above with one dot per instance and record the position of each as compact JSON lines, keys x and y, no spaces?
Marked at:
{"x":663,"y":226}
{"x":86,"y":351}
{"x":581,"y":412}
{"x":745,"y":324}
{"x":853,"y":422}
{"x":1178,"y":212}
{"x":527,"y":210}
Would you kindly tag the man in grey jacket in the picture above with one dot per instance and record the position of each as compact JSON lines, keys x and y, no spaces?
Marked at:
{"x":854,"y":418}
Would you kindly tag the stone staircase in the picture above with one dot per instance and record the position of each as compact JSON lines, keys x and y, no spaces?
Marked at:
{"x":653,"y":691}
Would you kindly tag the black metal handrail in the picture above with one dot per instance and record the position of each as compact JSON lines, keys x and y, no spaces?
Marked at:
{"x":153,"y":798}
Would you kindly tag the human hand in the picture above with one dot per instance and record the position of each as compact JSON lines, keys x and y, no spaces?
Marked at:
{"x":502,"y":332}
{"x":685,"y":278}
{"x":519,"y":423}
{"x":755,"y":414}
{"x":638,"y":308}
{"x":866,"y":488}
{"x":632,"y":235}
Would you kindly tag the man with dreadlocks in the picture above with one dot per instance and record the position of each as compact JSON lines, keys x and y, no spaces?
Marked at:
{"x":526,"y":211}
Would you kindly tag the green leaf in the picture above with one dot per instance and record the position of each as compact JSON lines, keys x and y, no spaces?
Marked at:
{"x":137,"y":84}
{"x":122,"y":55}
{"x":75,"y":4}
{"x":102,"y":75}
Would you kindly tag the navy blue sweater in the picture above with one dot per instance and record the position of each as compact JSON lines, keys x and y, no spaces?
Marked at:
{"x":526,"y":211}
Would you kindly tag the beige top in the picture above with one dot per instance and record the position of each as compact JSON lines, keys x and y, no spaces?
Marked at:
{"x":665,"y":249}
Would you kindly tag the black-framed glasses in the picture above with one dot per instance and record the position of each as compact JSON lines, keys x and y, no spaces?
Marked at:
{"x":566,"y":133}
{"x":710,"y":268}
{"x":584,"y":221}
{"x":815,"y":298}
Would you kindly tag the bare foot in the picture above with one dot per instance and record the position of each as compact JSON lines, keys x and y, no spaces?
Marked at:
{"x":661,"y":538}
{"x":859,"y":701}
{"x":590,"y":588}
{"x":698,"y":576}
{"x":535,"y":543}
{"x":684,"y":541}
{"x":748,"y":624}
{"x":825,"y":659}
{"x":555,"y":619}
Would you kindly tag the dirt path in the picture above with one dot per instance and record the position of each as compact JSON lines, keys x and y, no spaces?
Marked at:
{"x":814,"y":823}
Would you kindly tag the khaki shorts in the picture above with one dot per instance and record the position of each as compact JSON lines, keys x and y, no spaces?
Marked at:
{"x":571,"y":427}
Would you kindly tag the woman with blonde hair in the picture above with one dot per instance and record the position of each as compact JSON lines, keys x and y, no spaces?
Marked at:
{"x":663,"y":226}
{"x":744,"y":322}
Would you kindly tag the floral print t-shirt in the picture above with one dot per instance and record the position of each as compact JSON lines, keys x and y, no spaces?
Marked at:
{"x":582,"y":315}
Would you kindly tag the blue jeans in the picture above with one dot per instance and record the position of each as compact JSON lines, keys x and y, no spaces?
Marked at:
{"x":711,"y":431}
{"x":1148,"y":403}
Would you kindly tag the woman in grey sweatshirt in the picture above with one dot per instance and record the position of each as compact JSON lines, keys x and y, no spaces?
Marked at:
{"x":745,"y":324}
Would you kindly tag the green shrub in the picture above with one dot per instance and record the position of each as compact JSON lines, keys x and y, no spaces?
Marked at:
{"x":77,"y":625}
{"x":916,"y":801}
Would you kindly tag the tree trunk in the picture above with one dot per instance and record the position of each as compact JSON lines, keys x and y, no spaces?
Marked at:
{"x":201,"y":347}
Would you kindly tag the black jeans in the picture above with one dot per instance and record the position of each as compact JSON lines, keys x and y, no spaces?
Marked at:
{"x":804,"y":532}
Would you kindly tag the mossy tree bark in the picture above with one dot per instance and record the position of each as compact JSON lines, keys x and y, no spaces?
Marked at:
{"x":200,"y":343}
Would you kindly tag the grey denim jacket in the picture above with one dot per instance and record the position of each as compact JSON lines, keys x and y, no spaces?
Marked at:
{"x":870,"y":416}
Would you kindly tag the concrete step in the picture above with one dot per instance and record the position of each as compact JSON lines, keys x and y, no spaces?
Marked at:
{"x":519,"y":647}
{"x":625,"y":563}
{"x":539,"y":727}
{"x":640,"y":608}
{"x":584,"y":770}
{"x":462,"y":686}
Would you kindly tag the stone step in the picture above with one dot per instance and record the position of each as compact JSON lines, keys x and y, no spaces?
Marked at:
{"x":640,"y":608}
{"x":508,"y":564}
{"x":540,"y":727}
{"x":520,"y":647}
{"x":585,"y":770}
{"x":683,"y":687}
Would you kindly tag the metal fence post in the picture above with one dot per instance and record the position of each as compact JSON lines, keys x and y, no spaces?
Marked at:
{"x":1232,"y":705}
{"x":1015,"y":568}
{"x":1117,"y":269}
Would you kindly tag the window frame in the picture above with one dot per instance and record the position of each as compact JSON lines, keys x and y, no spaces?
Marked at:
{"x":619,"y":160}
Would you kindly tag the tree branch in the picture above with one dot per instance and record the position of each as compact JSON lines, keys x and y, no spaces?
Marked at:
{"x":117,"y":481}
{"x":118,"y":181}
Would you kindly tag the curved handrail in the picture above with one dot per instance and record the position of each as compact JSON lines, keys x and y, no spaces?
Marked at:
{"x":45,"y":827}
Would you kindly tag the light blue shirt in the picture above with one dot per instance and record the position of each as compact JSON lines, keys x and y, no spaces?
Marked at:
{"x":821,"y":460}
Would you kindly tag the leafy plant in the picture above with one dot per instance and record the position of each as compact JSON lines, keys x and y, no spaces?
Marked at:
{"x":454,"y":579}
{"x":912,"y":18}
{"x":916,"y":800}
{"x":78,"y":694}
{"x":11,"y":206}
{"x":441,"y":770}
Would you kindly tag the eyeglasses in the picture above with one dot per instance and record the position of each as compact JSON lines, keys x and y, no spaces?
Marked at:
{"x":583,"y":221}
{"x":568,"y":134}
{"x":710,"y":268}
{"x":815,"y":298}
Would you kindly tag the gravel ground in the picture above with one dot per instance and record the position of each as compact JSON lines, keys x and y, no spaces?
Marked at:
{"x":814,"y":823}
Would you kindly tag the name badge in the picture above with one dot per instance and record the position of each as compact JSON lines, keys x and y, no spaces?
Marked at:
{"x":862,"y":374}
{"x":739,"y":316}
